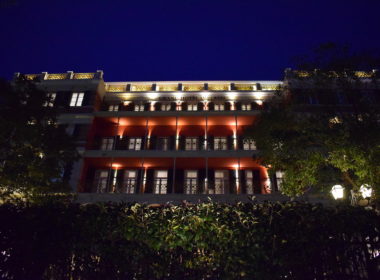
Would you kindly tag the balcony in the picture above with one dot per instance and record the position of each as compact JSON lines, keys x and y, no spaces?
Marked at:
{"x":118,"y":148}
{"x":169,"y":153}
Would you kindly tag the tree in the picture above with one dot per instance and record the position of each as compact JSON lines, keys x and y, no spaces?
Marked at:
{"x":34,"y":150}
{"x":323,"y":126}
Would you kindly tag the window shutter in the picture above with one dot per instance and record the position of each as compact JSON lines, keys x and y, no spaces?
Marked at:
{"x":256,"y":182}
{"x":149,"y":181}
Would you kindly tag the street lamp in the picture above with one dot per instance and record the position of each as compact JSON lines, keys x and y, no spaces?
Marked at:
{"x":366,"y":191}
{"x":337,"y":191}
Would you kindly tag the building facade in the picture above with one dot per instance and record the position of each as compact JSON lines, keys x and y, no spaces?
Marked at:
{"x":161,"y":137}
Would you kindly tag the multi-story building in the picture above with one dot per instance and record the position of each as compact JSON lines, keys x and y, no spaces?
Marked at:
{"x":161,"y":137}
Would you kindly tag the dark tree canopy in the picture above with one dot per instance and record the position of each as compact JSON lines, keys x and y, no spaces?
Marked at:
{"x":34,"y":150}
{"x":323,"y":126}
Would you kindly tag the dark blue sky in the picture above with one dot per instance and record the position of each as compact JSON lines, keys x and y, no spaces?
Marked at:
{"x":177,"y":39}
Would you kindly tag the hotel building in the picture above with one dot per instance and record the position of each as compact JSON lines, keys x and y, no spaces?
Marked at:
{"x":179,"y":137}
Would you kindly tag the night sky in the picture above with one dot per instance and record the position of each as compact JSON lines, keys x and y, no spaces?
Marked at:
{"x":177,"y":39}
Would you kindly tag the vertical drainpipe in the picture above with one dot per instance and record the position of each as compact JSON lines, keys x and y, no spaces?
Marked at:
{"x":176,"y":148}
{"x":238,"y":190}
{"x":206,"y":149}
{"x":176,"y":140}
{"x":142,"y":158}
{"x":110,"y":175}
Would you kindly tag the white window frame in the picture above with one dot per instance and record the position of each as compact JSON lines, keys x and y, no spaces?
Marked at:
{"x":107,"y":143}
{"x":77,"y":99}
{"x":249,"y":181}
{"x":219,"y":107}
{"x":129,"y":182}
{"x":113,"y":108}
{"x":220,"y":143}
{"x":279,"y":179}
{"x":139,"y":107}
{"x":101,"y":180}
{"x":246,"y":107}
{"x":191,"y":181}
{"x":135,"y":143}
{"x":221,"y":182}
{"x":160,"y":183}
{"x":51,"y":99}
{"x":249,"y":144}
{"x":192,"y":107}
{"x":165,"y":107}
{"x":191,"y":143}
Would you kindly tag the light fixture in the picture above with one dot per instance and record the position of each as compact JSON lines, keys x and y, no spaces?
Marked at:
{"x":337,"y":191}
{"x":366,"y":191}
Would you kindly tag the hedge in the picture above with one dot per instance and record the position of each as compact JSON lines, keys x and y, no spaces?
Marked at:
{"x":205,"y":241}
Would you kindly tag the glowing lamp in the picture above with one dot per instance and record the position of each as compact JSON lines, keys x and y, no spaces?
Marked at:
{"x":116,"y":165}
{"x":366,"y":191}
{"x":337,"y":191}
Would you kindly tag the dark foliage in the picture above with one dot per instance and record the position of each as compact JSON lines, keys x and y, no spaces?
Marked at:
{"x":206,"y":241}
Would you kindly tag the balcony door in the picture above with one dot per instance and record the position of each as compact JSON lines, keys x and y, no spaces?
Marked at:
{"x":129,"y":182}
{"x":160,"y":181}
{"x":101,"y":179}
{"x":191,"y":181}
{"x":221,"y":181}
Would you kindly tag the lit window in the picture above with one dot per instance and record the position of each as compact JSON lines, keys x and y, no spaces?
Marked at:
{"x":249,"y":181}
{"x":165,"y":107}
{"x":130,"y":182}
{"x":249,"y":144}
{"x":51,"y":98}
{"x":76,"y":99}
{"x":219,"y":107}
{"x":220,"y":143}
{"x":191,"y":179}
{"x":221,"y":181}
{"x":113,"y":108}
{"x":191,"y":144}
{"x":107,"y":144}
{"x":246,"y":107}
{"x":160,"y":181}
{"x":279,"y":179}
{"x":192,"y":107}
{"x":139,"y":107}
{"x":101,"y":178}
{"x":134,"y":144}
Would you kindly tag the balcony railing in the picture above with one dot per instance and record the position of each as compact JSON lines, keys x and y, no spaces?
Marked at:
{"x":164,"y":188}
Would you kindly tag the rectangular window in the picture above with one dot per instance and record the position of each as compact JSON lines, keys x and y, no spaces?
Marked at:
{"x":191,"y":180}
{"x":76,"y":99}
{"x":219,"y":107}
{"x":246,"y":107}
{"x":107,"y":144}
{"x":139,"y":107}
{"x":192,"y":107}
{"x":249,"y":181}
{"x":160,"y":182}
{"x":163,"y":143}
{"x":134,"y":143}
{"x":113,"y":108}
{"x":191,"y":143}
{"x":129,"y":182}
{"x":165,"y":107}
{"x":51,"y":98}
{"x":101,"y":179}
{"x":279,"y":179}
{"x":220,"y":143}
{"x":249,"y":144}
{"x":221,"y":181}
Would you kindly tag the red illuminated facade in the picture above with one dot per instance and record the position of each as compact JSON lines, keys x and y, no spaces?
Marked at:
{"x":161,"y":137}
